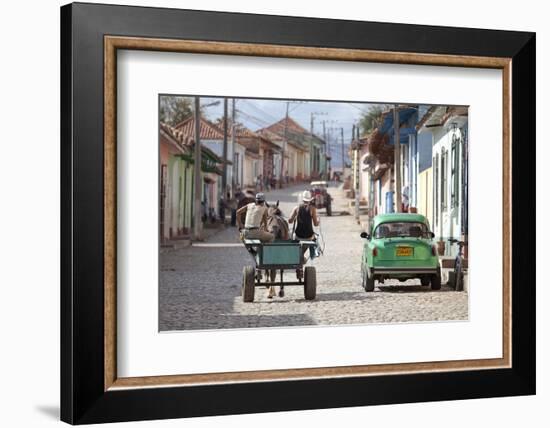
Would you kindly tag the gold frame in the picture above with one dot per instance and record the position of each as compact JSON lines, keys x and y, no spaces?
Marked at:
{"x":112,"y":43}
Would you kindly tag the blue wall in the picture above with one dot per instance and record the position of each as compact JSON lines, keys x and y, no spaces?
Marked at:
{"x":424,"y":150}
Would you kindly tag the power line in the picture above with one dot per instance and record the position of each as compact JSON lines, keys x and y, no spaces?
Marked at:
{"x":258,"y":109}
{"x":290,"y":133}
{"x":358,"y":108}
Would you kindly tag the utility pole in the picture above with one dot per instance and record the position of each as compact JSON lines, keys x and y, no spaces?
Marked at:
{"x":224,"y":176}
{"x":353,"y":161}
{"x":311,"y":154}
{"x":314,"y":162}
{"x":329,"y":162}
{"x":284,"y":147}
{"x":397,"y":158}
{"x":326,"y":150}
{"x":343,"y":153}
{"x":355,"y":170}
{"x":197,"y":229}
{"x":233,"y":147}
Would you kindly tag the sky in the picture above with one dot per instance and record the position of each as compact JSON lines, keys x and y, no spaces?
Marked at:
{"x":259,"y":113}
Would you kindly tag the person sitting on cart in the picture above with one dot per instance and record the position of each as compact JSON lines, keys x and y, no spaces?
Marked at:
{"x":255,"y":223}
{"x":306,"y":217}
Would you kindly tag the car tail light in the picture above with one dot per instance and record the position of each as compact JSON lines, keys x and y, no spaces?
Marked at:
{"x":374,"y":252}
{"x":434,"y":251}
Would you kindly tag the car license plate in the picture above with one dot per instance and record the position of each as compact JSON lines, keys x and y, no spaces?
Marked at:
{"x":404,"y":251}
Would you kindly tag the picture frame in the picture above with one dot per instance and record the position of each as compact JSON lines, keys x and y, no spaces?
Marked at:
{"x":91,"y":392}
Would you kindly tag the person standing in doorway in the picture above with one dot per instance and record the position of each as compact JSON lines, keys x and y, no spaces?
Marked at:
{"x":231,"y":205}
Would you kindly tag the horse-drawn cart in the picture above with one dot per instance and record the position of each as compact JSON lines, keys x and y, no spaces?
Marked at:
{"x":278,"y":256}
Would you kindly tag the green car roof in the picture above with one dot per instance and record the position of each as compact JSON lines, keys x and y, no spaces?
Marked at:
{"x":396,"y":217}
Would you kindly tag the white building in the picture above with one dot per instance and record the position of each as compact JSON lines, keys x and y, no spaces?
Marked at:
{"x":448,"y":127}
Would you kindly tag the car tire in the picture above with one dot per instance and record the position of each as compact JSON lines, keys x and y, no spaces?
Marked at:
{"x":425,"y":281}
{"x":436,"y":281}
{"x":248,"y":286}
{"x":368,"y":282}
{"x":310,"y":283}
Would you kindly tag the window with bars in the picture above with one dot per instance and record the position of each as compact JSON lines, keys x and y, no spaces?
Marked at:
{"x":236,"y":167}
{"x":444,"y":179}
{"x":162,"y":199}
{"x":436,"y":188}
{"x":455,"y":167}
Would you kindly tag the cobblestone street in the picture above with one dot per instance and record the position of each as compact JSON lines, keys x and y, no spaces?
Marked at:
{"x":200,"y":284}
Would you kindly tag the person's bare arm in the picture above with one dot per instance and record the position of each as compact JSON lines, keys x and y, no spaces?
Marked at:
{"x":293,"y":215}
{"x":240,"y":212}
{"x":314,"y":216}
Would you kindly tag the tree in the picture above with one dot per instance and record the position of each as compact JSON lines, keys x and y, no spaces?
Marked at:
{"x":372,"y":118}
{"x":174,"y":110}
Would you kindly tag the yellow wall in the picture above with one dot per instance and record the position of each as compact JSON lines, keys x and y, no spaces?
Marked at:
{"x":425,"y":194}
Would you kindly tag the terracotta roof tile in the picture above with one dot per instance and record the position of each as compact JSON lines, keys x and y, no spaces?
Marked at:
{"x":295,"y":134}
{"x":176,"y":136}
{"x":187,"y":142}
{"x":208,"y":131}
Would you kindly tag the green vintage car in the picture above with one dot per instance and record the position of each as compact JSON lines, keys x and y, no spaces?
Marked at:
{"x":400,"y":246}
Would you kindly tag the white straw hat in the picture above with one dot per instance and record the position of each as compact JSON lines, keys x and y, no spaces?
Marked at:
{"x":306,"y":196}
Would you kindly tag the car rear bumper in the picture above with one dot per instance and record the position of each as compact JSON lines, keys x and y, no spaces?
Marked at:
{"x":382,"y":270}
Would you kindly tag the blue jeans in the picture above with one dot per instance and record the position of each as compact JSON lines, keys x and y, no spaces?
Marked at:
{"x":312,"y":249}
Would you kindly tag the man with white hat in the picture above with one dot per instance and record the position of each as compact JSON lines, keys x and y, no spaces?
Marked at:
{"x":306,"y":217}
{"x":256,"y":220}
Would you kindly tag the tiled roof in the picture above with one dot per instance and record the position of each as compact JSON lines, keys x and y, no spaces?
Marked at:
{"x":291,"y":126}
{"x":246,"y":137}
{"x":252,"y":140}
{"x":208,"y":131}
{"x":186,"y":142}
{"x":243,"y":132}
{"x":176,"y":136}
{"x":295,"y":134}
{"x":439,"y":115}
{"x":426,"y":117}
{"x":272,"y":136}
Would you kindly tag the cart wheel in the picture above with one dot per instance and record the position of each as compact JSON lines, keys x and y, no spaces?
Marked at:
{"x":310,"y":283}
{"x":436,"y":281}
{"x":248,"y":286}
{"x":329,"y":209}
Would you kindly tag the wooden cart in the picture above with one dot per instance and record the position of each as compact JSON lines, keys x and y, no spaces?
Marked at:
{"x":278,"y":256}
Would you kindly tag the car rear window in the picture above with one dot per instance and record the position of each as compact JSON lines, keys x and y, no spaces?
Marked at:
{"x":401,"y":230}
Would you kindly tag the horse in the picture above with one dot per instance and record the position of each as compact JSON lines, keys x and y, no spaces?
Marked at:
{"x":278,"y":226}
{"x":276,"y":223}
